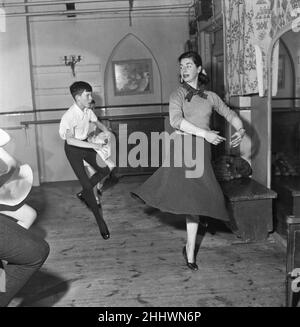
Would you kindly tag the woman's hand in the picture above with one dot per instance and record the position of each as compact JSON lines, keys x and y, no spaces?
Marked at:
{"x":108,"y":134}
{"x":237,"y":137}
{"x":213,"y":137}
{"x":103,"y":137}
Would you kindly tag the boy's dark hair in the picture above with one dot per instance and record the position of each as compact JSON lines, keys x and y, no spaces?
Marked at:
{"x":77,"y":88}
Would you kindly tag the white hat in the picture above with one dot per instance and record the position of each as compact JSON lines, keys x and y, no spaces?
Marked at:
{"x":16,"y":189}
{"x":4,"y":137}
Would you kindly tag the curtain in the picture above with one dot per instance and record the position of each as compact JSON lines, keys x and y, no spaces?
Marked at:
{"x":249,"y":27}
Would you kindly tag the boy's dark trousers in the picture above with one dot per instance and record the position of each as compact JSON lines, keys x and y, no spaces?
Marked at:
{"x":76,"y":155}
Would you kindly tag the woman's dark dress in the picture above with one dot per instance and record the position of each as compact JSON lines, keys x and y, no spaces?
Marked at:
{"x":168,"y":189}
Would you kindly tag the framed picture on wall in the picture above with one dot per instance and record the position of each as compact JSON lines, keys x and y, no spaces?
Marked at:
{"x":132,"y":76}
{"x":281,"y":72}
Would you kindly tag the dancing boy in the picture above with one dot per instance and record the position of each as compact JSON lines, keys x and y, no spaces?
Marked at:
{"x":74,"y":129}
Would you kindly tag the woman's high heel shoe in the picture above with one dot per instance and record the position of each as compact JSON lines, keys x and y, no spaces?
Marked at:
{"x":191,"y":265}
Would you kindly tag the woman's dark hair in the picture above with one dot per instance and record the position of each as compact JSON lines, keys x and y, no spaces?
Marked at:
{"x":77,"y":88}
{"x":202,"y":78}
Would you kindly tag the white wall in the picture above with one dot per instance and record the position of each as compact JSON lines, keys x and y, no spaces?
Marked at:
{"x":15,"y":83}
{"x":94,"y":40}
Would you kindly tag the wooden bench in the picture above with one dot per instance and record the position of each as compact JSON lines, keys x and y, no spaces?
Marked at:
{"x":250,"y":207}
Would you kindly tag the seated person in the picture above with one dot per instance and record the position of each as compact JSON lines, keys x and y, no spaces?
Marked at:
{"x":15,"y":184}
{"x":22,"y":253}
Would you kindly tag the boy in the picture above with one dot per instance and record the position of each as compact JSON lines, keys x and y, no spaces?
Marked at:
{"x":74,"y":128}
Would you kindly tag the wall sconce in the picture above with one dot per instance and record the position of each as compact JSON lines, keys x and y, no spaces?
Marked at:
{"x":71,"y":61}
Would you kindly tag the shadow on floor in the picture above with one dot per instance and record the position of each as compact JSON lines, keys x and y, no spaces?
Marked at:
{"x":178,"y":222}
{"x":43,"y":290}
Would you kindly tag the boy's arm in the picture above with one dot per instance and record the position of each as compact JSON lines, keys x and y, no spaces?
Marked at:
{"x":71,"y":140}
{"x":102,"y":126}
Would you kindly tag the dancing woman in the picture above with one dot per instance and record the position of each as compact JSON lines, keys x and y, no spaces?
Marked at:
{"x":174,"y":188}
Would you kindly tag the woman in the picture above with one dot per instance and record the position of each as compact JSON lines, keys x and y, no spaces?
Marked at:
{"x":170,"y":189}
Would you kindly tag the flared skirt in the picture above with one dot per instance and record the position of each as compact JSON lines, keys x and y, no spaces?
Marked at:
{"x":185,"y":183}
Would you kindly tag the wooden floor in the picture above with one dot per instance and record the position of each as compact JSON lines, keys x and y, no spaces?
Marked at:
{"x":141,"y":265}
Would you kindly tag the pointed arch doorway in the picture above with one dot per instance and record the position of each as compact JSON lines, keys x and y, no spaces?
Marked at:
{"x":140,"y":108}
{"x":129,"y":49}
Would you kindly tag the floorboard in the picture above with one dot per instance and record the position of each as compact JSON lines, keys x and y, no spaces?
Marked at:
{"x":141,"y":265}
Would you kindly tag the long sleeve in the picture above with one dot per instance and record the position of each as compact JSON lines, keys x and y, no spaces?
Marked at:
{"x":220,"y":107}
{"x":175,"y":109}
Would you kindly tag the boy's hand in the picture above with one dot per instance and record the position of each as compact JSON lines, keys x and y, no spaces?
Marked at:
{"x":103,"y":138}
{"x":108,"y":135}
